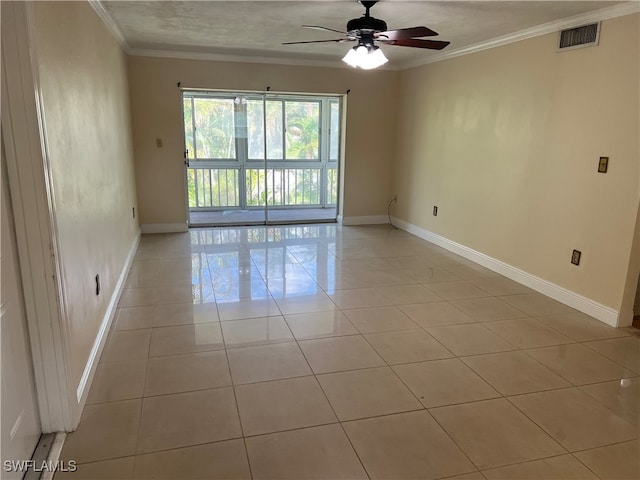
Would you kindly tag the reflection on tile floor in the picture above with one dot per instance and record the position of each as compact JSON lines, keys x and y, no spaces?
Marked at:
{"x":332,"y":352}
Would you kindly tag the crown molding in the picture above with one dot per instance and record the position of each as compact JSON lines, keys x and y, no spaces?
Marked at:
{"x":223,"y":57}
{"x":614,"y":11}
{"x":110,"y":23}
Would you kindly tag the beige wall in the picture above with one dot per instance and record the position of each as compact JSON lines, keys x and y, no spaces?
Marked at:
{"x":156,"y":113}
{"x":506,"y":142}
{"x":86,"y":105}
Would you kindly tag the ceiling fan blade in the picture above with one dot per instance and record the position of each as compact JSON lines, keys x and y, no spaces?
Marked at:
{"x":413,"y":32}
{"x":337,"y":40}
{"x":417,"y":43}
{"x":318,"y":27}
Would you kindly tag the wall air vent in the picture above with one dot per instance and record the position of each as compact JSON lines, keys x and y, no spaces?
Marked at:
{"x":584,"y":36}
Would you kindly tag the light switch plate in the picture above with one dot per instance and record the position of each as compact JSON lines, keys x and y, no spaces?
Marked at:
{"x":575,"y":257}
{"x":603,"y":164}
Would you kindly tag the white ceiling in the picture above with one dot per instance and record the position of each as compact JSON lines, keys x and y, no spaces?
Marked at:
{"x":257,"y":29}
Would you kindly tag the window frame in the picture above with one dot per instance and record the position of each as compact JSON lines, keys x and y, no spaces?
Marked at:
{"x":242,"y":163}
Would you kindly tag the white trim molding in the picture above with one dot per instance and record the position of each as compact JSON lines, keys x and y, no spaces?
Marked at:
{"x":98,"y":345}
{"x":364,"y":220}
{"x":33,"y":209}
{"x":164,"y":227}
{"x":590,"y":307}
{"x":110,"y":23}
{"x":226,"y":57}
{"x":619,"y":10}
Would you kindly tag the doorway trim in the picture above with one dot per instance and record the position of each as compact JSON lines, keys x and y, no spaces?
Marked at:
{"x":30,"y":188}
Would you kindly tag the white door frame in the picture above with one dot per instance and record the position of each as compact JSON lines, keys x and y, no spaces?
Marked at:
{"x":31,"y":190}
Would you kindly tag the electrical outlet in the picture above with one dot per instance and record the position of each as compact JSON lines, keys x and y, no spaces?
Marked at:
{"x":575,"y":257}
{"x":159,"y":142}
{"x":395,"y":198}
{"x":435,"y":211}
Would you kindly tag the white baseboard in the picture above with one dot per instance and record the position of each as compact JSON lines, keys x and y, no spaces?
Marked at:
{"x":590,"y":307}
{"x":101,"y":337}
{"x":364,"y":220}
{"x":164,"y":227}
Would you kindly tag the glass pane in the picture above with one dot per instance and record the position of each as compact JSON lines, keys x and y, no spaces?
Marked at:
{"x":334,"y":134}
{"x":255,"y":129}
{"x":188,"y":127}
{"x":215,"y":130}
{"x":274,"y":130}
{"x":302,"y":121}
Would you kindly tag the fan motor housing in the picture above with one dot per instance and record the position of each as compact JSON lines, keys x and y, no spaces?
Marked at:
{"x":367,"y":23}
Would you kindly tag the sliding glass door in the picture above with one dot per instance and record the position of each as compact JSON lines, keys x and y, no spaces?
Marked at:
{"x":256,"y":158}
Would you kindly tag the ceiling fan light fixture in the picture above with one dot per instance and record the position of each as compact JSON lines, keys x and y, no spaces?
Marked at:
{"x":354,"y":55}
{"x":366,"y":30}
{"x":365,"y":57}
{"x":374,"y":59}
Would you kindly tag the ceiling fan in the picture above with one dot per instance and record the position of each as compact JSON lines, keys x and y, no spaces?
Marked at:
{"x":366,"y":30}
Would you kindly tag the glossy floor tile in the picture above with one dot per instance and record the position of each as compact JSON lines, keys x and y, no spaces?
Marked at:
{"x":367,"y":393}
{"x":512,"y":373}
{"x":618,"y":461}
{"x":334,"y":352}
{"x":278,"y":405}
{"x":488,"y":308}
{"x":574,"y":419}
{"x":267,"y":362}
{"x":527,"y":333}
{"x":444,"y":382}
{"x":201,"y":337}
{"x":409,"y":445}
{"x":379,"y":319}
{"x":127,"y":345}
{"x":624,"y":351}
{"x":494,"y":433}
{"x":106,"y":431}
{"x":407,"y":346}
{"x":332,"y":323}
{"x":118,"y":381}
{"x":256,"y":331}
{"x":192,"y":418}
{"x":563,"y":467}
{"x":220,"y":460}
{"x":580,"y":327}
{"x":184,"y":373}
{"x":435,"y":314}
{"x":622,"y":397}
{"x":579,"y":364}
{"x":340,"y":353}
{"x":469,"y":339}
{"x":317,"y":452}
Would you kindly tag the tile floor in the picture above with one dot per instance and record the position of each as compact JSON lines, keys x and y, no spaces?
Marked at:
{"x":333,"y":352}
